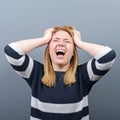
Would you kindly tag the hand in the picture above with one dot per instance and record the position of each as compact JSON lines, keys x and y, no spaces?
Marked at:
{"x":77,"y":38}
{"x":47,"y":35}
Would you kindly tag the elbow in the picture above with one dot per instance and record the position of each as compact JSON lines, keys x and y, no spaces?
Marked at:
{"x":113,"y":54}
{"x":6,"y":49}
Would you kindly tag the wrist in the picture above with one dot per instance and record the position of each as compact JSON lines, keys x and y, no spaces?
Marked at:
{"x":79,"y":43}
{"x":43,"y":40}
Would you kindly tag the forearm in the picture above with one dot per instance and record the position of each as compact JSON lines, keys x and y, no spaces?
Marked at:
{"x":30,"y":44}
{"x":90,"y":48}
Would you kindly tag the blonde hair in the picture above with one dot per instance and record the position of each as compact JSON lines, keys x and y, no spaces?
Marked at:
{"x":49,"y":77}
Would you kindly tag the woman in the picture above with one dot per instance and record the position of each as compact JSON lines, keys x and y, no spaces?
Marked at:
{"x":60,"y":87}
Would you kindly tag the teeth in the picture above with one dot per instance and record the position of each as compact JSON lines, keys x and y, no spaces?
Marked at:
{"x":60,"y":51}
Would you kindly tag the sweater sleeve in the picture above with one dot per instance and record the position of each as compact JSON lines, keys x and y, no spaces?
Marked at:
{"x":23,"y":64}
{"x":100,"y":64}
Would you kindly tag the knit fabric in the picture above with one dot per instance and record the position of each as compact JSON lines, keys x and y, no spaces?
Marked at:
{"x":59,"y":102}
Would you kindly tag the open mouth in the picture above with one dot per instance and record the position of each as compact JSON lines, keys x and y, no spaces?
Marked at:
{"x":60,"y":52}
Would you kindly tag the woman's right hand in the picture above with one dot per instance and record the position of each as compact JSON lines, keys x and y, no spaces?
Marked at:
{"x":48,"y":35}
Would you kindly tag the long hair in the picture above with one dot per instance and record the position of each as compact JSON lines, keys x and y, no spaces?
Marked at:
{"x":49,"y":77}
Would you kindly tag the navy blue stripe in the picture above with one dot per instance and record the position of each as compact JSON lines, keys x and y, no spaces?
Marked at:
{"x":36,"y":113}
{"x":10,"y":52}
{"x":54,"y":116}
{"x":56,"y":96}
{"x":23,"y":66}
{"x":85,"y":111}
{"x":96,"y":71}
{"x":84,"y":81}
{"x":108,"y":57}
{"x":35,"y":78}
{"x":62,"y":94}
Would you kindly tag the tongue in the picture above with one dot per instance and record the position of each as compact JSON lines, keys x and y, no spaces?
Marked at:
{"x":60,"y":55}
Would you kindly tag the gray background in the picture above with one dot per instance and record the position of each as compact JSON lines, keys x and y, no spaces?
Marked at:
{"x":98,"y":21}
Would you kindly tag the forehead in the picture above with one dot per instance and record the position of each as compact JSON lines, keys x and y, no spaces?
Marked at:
{"x":61,"y":34}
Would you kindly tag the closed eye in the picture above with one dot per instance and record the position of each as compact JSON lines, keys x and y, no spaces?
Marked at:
{"x":67,"y":41}
{"x":55,"y":40}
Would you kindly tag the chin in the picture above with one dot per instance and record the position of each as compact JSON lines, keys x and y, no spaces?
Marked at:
{"x":61,"y":63}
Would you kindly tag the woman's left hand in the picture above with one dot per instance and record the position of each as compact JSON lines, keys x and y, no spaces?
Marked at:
{"x":77,"y":38}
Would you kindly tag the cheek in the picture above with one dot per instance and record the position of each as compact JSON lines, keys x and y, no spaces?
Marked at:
{"x":71,"y":53}
{"x":51,"y":50}
{"x":52,"y":45}
{"x":70,"y":50}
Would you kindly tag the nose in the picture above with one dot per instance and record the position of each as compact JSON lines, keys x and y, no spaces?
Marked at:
{"x":61,"y":44}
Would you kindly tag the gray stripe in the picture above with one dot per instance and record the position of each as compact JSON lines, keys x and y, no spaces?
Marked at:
{"x":103,"y":52}
{"x":27,"y":72}
{"x":104,"y":66}
{"x":33,"y":118}
{"x":16,"y":62}
{"x":17,"y":48}
{"x":59,"y":108}
{"x":91,"y":75}
{"x":85,"y":118}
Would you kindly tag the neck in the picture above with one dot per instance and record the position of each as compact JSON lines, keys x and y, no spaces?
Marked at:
{"x":60,"y":67}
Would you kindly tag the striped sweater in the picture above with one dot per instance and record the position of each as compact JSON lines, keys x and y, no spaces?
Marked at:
{"x":60,"y":102}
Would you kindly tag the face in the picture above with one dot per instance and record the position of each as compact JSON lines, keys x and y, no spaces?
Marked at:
{"x":61,"y":48}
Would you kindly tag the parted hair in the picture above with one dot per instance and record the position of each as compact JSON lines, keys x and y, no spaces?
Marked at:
{"x":49,"y":77}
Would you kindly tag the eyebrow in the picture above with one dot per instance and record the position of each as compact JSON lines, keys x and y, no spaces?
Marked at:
{"x":56,"y":38}
{"x":59,"y":38}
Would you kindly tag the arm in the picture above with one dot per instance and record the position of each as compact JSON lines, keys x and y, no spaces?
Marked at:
{"x":16,"y":52}
{"x":90,"y":48}
{"x":31,"y":44}
{"x":103,"y":57}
